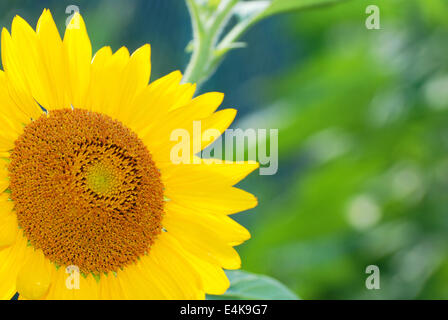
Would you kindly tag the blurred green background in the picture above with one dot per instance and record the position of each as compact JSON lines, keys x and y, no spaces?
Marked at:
{"x":363,"y":135}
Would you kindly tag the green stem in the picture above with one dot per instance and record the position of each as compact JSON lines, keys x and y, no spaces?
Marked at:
{"x":207,"y":28}
{"x":205,"y":36}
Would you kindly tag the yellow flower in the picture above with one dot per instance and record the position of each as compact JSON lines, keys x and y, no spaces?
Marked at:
{"x":86,"y":179}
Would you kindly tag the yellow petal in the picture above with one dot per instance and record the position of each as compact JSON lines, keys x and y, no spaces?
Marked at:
{"x":134,"y":79}
{"x":33,"y":63}
{"x":165,"y":273}
{"x":6,"y":205}
{"x":64,"y":286}
{"x":12,"y":118}
{"x":11,"y":261}
{"x":171,"y":271}
{"x":201,"y":188}
{"x":34,"y":278}
{"x":4,"y":182}
{"x":51,"y":55}
{"x":184,"y":95}
{"x":8,"y":229}
{"x":58,"y":289}
{"x":201,"y":244}
{"x":78,"y":53}
{"x":7,"y":285}
{"x":182,"y":118}
{"x":88,"y":288}
{"x":30,"y":65}
{"x":110,"y":288}
{"x":105,"y":85}
{"x":94,"y":95}
{"x":9,"y":132}
{"x":137,"y":284}
{"x":219,"y":227}
{"x":154,"y":102}
{"x":205,"y":104}
{"x":213,"y":277}
{"x":18,"y":86}
{"x":6,"y":144}
{"x":169,"y":254}
{"x":219,"y":201}
{"x":218,"y":122}
{"x":207,"y":173}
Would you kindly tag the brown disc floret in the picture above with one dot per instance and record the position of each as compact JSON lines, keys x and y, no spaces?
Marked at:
{"x":86,"y":190}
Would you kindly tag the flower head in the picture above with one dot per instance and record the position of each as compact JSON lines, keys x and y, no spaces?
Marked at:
{"x":86,"y":178}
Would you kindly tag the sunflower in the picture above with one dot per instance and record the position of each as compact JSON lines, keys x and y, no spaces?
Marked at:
{"x":86,"y":178}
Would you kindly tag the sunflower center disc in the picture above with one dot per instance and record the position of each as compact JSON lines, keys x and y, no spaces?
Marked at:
{"x":86,"y":190}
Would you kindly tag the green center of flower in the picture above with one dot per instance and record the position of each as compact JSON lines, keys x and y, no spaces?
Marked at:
{"x":101,"y":179}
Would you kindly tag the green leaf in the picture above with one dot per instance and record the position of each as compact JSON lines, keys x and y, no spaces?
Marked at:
{"x":245,"y":286}
{"x":282,"y":6}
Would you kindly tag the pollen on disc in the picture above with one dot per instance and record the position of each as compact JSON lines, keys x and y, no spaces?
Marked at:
{"x":86,"y":190}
